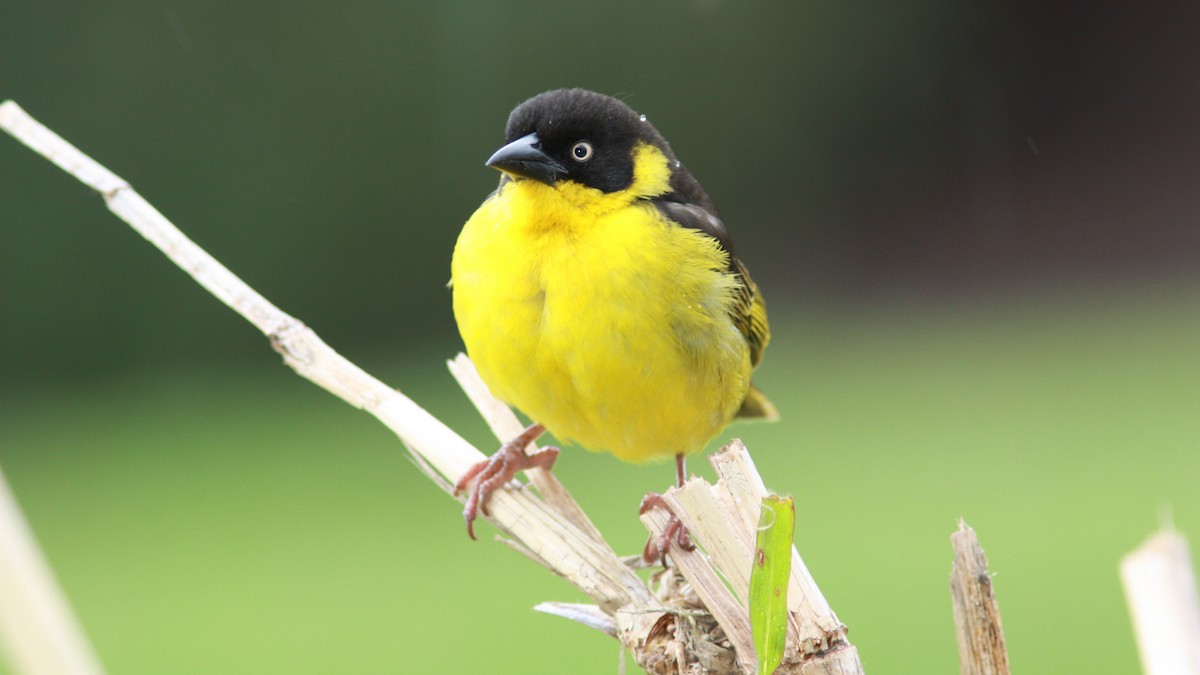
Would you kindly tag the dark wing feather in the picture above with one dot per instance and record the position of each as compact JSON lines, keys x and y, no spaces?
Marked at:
{"x":749,"y":312}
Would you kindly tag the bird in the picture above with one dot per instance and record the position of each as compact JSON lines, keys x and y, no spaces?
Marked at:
{"x":597,"y":290}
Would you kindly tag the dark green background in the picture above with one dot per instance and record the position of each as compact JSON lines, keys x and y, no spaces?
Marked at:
{"x":975,"y":225}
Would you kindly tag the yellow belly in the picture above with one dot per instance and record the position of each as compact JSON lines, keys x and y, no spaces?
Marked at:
{"x":607,"y":325}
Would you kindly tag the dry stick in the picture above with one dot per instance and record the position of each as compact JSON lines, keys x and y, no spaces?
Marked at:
{"x":564,"y":548}
{"x":550,"y":536}
{"x":37,"y":628}
{"x":1161,"y":591}
{"x":549,"y":527}
{"x":981,"y":648}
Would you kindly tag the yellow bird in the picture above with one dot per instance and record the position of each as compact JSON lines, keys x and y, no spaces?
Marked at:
{"x":597,"y":291}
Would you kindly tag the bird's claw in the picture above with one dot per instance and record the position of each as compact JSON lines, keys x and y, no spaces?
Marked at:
{"x":656,"y":547}
{"x":495,"y":471}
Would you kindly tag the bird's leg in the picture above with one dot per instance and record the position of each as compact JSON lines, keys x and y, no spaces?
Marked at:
{"x":500,"y":468}
{"x":657,"y":546}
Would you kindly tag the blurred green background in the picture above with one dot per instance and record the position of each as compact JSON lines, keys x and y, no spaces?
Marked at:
{"x":975,"y":225}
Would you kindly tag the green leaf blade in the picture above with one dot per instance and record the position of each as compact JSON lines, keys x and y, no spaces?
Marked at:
{"x":772,"y":568}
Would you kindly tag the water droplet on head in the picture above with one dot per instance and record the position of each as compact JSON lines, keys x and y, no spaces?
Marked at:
{"x":642,"y":117}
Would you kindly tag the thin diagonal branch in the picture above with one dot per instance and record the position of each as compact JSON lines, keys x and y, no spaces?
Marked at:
{"x":566,"y":549}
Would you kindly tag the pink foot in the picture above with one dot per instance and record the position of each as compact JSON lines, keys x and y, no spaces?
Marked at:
{"x":656,"y":547}
{"x":500,"y":468}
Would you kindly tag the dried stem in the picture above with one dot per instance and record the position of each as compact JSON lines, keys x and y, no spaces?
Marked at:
{"x":1161,"y":591}
{"x":37,"y":628}
{"x":981,"y":649}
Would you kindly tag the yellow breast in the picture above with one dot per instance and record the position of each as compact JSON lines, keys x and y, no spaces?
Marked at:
{"x":599,"y":319}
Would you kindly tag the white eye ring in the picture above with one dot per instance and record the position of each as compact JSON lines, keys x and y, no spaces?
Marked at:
{"x":582,"y":151}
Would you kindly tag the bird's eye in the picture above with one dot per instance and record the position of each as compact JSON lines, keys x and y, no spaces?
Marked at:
{"x":582,"y":151}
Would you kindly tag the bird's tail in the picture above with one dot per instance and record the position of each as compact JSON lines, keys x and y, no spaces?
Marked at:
{"x":757,"y":406}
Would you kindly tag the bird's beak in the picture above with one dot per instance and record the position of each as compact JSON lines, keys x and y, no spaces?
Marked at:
{"x":524,"y":158}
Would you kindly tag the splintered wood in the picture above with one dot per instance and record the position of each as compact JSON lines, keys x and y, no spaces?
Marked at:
{"x":981,"y":649}
{"x":722,"y":520}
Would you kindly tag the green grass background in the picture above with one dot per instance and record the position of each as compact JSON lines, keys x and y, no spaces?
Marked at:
{"x":247,"y":522}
